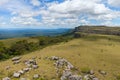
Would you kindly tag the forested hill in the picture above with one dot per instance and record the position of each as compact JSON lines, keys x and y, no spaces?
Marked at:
{"x":98,"y":30}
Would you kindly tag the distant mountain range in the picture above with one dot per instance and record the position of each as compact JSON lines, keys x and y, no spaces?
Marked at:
{"x":14,"y":33}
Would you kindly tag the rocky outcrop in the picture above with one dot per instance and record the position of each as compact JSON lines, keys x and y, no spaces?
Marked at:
{"x":98,"y":30}
{"x":68,"y":73}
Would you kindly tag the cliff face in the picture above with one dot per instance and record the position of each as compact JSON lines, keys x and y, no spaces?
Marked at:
{"x":98,"y":30}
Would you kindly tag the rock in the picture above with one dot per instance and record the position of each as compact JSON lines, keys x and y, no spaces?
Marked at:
{"x":75,"y":77}
{"x":63,"y":78}
{"x":23,"y":79}
{"x":102,"y":72}
{"x":36,"y":76}
{"x":32,"y":61}
{"x":54,"y":58}
{"x":95,"y":79}
{"x":87,"y":77}
{"x":29,"y":65}
{"x":92,"y":76}
{"x":69,"y":65}
{"x":65,"y":75}
{"x":21,"y":72}
{"x":61,"y":62}
{"x":16,"y":75}
{"x":35,"y":66}
{"x":26,"y":69}
{"x":16,"y":58}
{"x":6,"y":78}
{"x":16,"y":62}
{"x":91,"y":72}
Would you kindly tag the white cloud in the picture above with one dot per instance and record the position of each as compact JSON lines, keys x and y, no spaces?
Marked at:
{"x":2,"y":2}
{"x":67,"y":13}
{"x":25,"y":21}
{"x":114,"y":3}
{"x":35,"y":2}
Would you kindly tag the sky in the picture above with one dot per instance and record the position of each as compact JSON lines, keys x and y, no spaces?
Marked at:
{"x":58,"y":13}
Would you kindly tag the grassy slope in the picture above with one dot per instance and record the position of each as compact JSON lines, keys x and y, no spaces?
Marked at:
{"x":11,"y":41}
{"x":101,"y":54}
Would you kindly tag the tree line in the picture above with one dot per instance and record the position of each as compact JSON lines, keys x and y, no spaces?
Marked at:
{"x":23,"y":46}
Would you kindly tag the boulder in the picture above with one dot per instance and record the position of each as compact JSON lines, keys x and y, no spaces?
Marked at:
{"x":87,"y":77}
{"x":69,"y":65}
{"x":91,"y":72}
{"x":29,"y":65}
{"x":16,"y":58}
{"x":6,"y":78}
{"x":102,"y":72}
{"x":36,"y":76}
{"x":61,"y":62}
{"x":32,"y":61}
{"x":63,"y":78}
{"x":35,"y":66}
{"x":21,"y":72}
{"x":95,"y":79}
{"x":16,"y":75}
{"x":66,"y":75}
{"x":26,"y":69}
{"x":54,"y":58}
{"x":16,"y":62}
{"x":75,"y":77}
{"x":92,"y":76}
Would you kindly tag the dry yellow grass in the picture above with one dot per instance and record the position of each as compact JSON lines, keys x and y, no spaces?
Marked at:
{"x":99,"y":54}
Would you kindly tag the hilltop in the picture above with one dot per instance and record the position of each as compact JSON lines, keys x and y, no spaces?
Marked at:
{"x":99,"y":30}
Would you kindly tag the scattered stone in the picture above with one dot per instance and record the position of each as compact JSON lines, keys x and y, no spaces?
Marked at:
{"x":26,"y":69}
{"x":16,"y":75}
{"x":75,"y":77}
{"x":95,"y":79}
{"x":29,"y":65}
{"x":32,"y":61}
{"x":87,"y":77}
{"x":92,"y":76}
{"x":35,"y":66}
{"x":16,"y":62}
{"x":69,"y":65}
{"x":6,"y":78}
{"x":66,"y":75}
{"x":36,"y":76}
{"x":54,"y":58}
{"x":16,"y":58}
{"x":102,"y":72}
{"x":91,"y":72}
{"x":21,"y":72}
{"x":60,"y":63}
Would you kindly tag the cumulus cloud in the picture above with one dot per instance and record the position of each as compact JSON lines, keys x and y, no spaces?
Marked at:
{"x":114,"y":3}
{"x":35,"y":2}
{"x":67,"y":13}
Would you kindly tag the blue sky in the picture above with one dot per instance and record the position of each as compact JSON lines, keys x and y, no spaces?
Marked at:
{"x":58,"y":13}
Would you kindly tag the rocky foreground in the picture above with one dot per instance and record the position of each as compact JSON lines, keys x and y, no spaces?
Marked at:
{"x":64,"y":70}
